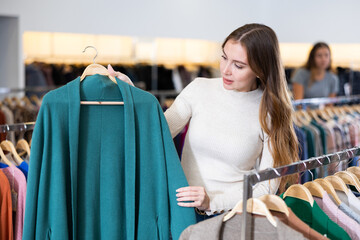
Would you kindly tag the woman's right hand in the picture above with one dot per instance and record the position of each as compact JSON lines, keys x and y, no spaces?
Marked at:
{"x":119,"y":75}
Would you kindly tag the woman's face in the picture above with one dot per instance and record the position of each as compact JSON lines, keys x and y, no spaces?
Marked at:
{"x":235,"y":70}
{"x":322,"y":58}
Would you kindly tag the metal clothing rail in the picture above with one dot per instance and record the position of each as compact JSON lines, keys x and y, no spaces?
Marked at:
{"x":253,"y":178}
{"x":4,"y":90}
{"x":17,"y":127}
{"x":319,"y":101}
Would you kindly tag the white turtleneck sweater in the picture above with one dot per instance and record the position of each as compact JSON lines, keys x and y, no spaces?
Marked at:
{"x":224,"y":140}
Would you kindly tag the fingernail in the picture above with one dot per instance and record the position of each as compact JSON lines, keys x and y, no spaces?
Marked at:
{"x":110,"y":68}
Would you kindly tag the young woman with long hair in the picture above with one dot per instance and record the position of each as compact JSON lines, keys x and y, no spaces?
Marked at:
{"x":239,"y":123}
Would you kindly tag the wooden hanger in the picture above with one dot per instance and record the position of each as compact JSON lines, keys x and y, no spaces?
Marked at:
{"x":300,"y":192}
{"x":348,"y":109}
{"x":349,"y":178}
{"x":9,"y":146}
{"x":337,"y":183}
{"x":27,"y":101}
{"x":4,"y":159}
{"x":93,"y":69}
{"x":326,"y":185}
{"x":315,"y":189}
{"x":302,"y":118}
{"x":323,"y":114}
{"x":254,"y":206}
{"x":22,"y":144}
{"x":355,"y":170}
{"x":36,"y":100}
{"x":329,"y":112}
{"x":314,"y":116}
{"x":275,"y":203}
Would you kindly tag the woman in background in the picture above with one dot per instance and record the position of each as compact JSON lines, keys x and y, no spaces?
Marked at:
{"x":315,"y":79}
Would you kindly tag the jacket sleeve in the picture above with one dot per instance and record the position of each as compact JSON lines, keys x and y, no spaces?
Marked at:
{"x":180,"y":217}
{"x":37,"y":146}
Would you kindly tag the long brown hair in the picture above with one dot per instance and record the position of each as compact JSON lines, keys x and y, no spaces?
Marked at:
{"x":311,"y":65}
{"x":275,"y":113}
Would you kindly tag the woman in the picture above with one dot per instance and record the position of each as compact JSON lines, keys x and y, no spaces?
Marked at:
{"x":237,"y":123}
{"x":315,"y":80}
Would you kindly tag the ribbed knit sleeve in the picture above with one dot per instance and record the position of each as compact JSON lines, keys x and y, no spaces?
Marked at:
{"x":180,"y":112}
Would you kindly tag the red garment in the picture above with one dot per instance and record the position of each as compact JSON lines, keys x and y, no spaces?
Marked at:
{"x":6,"y":224}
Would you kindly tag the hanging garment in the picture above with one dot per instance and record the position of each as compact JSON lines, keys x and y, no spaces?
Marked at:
{"x":103,"y":172}
{"x":316,"y":218}
{"x":350,"y":200}
{"x":348,"y":211}
{"x":259,"y":228}
{"x":6,"y":220}
{"x":18,"y":196}
{"x":340,"y":218}
{"x":295,"y":223}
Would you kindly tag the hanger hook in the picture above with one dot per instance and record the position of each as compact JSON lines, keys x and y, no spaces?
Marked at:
{"x":257,"y":175}
{"x":312,"y":175}
{"x":95,"y":50}
{"x":327,"y":157}
{"x":276,"y":172}
{"x":25,"y":127}
{"x":317,"y":159}
{"x":338,"y":160}
{"x":351,"y":158}
{"x":7,"y":131}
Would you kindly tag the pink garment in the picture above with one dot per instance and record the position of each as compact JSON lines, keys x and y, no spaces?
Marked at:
{"x":336,"y":215}
{"x":17,"y":183}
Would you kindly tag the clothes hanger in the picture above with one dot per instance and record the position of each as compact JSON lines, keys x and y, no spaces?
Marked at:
{"x":93,"y":69}
{"x":326,"y":185}
{"x":314,"y":116}
{"x":275,"y":203}
{"x":349,"y":178}
{"x":4,"y":159}
{"x":27,"y":101}
{"x":9,"y":146}
{"x":337,"y":183}
{"x":36,"y":100}
{"x":323,"y":114}
{"x":300,"y":192}
{"x":302,"y":118}
{"x":254,"y":206}
{"x":22,"y":144}
{"x":315,"y":189}
{"x":329,"y":111}
{"x":355,"y":170}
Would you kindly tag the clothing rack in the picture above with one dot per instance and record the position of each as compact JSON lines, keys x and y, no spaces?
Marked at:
{"x":4,"y":90}
{"x":322,"y":101}
{"x":17,"y":127}
{"x":253,"y":178}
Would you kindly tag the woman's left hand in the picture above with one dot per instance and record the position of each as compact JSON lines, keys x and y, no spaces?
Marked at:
{"x":196,"y":194}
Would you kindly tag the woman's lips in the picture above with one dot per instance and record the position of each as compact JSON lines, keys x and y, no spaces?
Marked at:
{"x":227,"y":81}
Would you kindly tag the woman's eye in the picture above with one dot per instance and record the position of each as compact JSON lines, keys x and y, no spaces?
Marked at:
{"x":223,"y":57}
{"x":238,"y":66}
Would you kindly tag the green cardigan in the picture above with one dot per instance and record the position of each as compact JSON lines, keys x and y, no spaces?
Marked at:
{"x":316,"y":218}
{"x":103,"y":172}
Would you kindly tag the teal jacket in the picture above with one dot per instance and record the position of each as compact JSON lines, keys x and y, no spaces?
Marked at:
{"x":103,"y":172}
